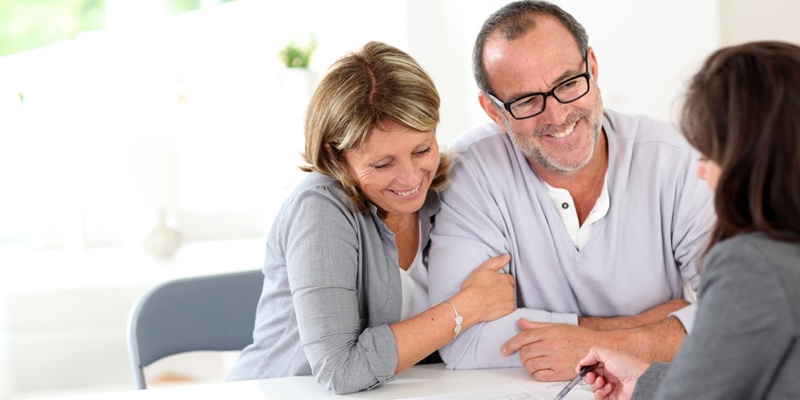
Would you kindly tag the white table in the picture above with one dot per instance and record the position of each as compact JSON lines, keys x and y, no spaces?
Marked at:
{"x":423,"y":380}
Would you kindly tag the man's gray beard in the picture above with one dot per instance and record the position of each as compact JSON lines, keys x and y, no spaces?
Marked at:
{"x":536,"y":155}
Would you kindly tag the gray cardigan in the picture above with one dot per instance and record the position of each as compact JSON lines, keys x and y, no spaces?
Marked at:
{"x":744,"y":343}
{"x":331,"y":289}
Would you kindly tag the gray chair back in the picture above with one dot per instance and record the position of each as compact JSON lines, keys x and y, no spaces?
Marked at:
{"x":205,"y":313}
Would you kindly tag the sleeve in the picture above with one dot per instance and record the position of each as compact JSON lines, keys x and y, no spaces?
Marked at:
{"x":687,"y":316}
{"x":741,"y":334}
{"x":322,"y":258}
{"x":469,"y":229}
{"x":647,"y":384}
{"x":693,"y":218}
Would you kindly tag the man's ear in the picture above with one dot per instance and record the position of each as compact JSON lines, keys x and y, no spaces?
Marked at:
{"x":491,"y":110}
{"x":592,"y":60}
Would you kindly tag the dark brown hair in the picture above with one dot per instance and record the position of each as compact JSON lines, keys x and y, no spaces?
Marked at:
{"x":742,"y":111}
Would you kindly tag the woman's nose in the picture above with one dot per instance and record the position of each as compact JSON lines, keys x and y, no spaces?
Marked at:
{"x":408,"y":173}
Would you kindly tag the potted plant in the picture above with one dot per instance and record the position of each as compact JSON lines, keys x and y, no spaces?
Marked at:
{"x":297,"y":81}
{"x":298,"y":54}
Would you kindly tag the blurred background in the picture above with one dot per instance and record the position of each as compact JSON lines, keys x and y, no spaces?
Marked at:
{"x":143,"y":140}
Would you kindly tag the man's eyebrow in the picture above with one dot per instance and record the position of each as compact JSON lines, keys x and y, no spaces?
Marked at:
{"x":566,"y":75}
{"x":559,"y":79}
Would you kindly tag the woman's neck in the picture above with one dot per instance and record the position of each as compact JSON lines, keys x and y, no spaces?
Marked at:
{"x":406,"y":236}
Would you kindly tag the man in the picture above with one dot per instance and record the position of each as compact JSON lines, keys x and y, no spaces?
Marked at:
{"x":601,"y":212}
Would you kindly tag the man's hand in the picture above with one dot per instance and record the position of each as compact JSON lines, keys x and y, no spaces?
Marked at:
{"x":550,"y":352}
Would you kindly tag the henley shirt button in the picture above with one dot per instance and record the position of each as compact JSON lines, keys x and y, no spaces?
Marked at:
{"x":564,"y":205}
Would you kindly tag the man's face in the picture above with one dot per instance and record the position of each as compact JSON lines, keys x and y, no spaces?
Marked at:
{"x":563,"y":137}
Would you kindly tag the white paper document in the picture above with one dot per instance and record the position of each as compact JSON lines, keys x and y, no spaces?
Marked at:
{"x":508,"y":392}
{"x":515,"y":391}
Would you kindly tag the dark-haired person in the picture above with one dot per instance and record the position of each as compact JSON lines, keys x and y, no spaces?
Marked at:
{"x":742,"y":112}
{"x":345,"y":276}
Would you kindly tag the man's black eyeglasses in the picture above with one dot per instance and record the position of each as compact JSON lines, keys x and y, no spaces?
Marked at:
{"x":531,"y":105}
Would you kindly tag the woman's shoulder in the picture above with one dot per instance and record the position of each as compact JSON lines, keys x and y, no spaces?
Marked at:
{"x":757,"y":243}
{"x":317,"y":181}
{"x":316,"y":184}
{"x":316,"y":195}
{"x":756,"y":253}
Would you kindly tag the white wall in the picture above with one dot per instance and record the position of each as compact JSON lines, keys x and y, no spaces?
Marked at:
{"x":746,"y":20}
{"x":645,"y":51}
{"x":441,"y":34}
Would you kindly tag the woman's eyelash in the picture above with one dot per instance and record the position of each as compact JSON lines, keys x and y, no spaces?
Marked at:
{"x":424,"y":151}
{"x":388,"y":164}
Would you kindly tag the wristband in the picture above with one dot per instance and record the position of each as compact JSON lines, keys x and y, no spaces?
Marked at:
{"x":459,"y":319}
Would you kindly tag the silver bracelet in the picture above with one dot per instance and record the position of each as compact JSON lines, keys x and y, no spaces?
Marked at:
{"x":459,"y":320}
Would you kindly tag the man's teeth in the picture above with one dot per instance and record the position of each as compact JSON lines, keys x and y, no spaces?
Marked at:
{"x":566,"y":132}
{"x":408,"y":193}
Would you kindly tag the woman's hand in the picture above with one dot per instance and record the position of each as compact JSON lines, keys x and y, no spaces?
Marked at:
{"x":616,"y":375}
{"x":487,"y":294}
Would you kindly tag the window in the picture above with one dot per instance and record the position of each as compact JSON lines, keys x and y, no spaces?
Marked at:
{"x":166,"y":112}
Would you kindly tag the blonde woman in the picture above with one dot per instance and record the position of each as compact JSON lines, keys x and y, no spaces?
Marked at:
{"x":345,"y":288}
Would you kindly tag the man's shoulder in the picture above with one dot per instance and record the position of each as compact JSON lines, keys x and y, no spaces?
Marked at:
{"x":481,"y":133}
{"x":641,"y":129}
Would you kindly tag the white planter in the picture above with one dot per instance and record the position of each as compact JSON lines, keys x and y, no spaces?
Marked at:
{"x":296,"y":87}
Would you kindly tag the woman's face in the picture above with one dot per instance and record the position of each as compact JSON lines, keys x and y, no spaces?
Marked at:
{"x":709,"y":171}
{"x":394,"y":167}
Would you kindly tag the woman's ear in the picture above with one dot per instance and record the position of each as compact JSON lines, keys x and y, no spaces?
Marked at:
{"x":337,"y":154}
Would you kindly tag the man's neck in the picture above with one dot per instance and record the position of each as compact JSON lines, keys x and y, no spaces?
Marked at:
{"x":585,"y":184}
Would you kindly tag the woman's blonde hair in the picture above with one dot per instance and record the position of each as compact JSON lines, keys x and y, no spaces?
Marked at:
{"x":361,"y":90}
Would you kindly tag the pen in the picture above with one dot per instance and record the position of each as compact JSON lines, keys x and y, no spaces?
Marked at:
{"x":584,"y":370}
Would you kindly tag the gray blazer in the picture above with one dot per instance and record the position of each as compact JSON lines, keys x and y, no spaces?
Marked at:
{"x":744,"y":342}
{"x":331,"y":289}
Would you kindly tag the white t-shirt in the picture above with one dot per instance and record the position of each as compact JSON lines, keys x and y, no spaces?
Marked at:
{"x":566,"y":210}
{"x":415,"y":286}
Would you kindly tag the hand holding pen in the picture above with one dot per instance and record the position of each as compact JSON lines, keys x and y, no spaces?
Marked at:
{"x":611,"y":375}
{"x":581,"y":373}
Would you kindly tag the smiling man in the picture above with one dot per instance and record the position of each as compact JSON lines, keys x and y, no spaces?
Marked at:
{"x":601,"y":212}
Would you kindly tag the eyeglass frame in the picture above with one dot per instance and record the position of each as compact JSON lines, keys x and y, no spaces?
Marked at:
{"x":585,"y":75}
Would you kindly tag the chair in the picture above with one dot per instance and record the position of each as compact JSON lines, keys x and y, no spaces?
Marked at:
{"x":206,"y":313}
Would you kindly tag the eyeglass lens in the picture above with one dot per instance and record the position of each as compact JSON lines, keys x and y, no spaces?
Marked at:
{"x":565,"y":92}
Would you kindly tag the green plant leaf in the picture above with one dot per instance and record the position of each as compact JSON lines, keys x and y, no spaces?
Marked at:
{"x":298,"y":55}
